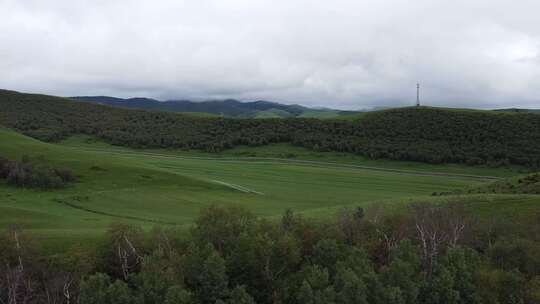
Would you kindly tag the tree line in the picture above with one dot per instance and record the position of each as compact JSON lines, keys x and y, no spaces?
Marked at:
{"x":415,"y":134}
{"x":436,"y":254}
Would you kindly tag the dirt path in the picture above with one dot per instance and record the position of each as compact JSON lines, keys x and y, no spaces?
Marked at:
{"x":237,"y":187}
{"x":128,"y":217}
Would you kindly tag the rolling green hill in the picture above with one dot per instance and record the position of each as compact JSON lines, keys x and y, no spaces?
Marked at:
{"x":161,"y":168}
{"x":422,"y":134}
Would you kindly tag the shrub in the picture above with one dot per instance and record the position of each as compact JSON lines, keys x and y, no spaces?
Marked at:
{"x":27,"y":174}
{"x":3,"y":167}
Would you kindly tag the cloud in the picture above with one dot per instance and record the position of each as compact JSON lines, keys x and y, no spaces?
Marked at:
{"x":342,"y":53}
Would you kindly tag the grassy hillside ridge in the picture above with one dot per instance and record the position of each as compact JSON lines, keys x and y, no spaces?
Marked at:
{"x":273,"y":113}
{"x":414,"y":134}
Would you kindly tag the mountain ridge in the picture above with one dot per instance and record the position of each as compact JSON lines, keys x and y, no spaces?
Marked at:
{"x":224,"y":107}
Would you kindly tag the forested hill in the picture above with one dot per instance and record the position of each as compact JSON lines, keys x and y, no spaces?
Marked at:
{"x":419,"y":134}
{"x":516,"y":110}
{"x":227,"y":107}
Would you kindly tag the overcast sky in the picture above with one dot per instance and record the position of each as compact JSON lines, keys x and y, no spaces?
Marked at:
{"x":348,"y":54}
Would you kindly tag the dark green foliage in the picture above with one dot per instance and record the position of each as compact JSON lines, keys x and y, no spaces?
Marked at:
{"x":416,"y":134}
{"x":316,"y":287}
{"x":521,"y":254}
{"x":121,"y":253}
{"x":220,"y":226}
{"x":460,"y":265}
{"x":365,"y":281}
{"x":497,"y":286}
{"x":94,"y":289}
{"x":327,"y":253}
{"x":34,"y":174}
{"x":528,"y":184}
{"x":119,"y":293}
{"x":402,"y":276}
{"x":178,"y":295}
{"x":270,"y":262}
{"x":97,"y":289}
{"x":533,"y":290}
{"x":440,"y":289}
{"x":518,"y":110}
{"x":350,"y":288}
{"x":4,"y":162}
{"x":240,"y":296}
{"x":206,"y":275}
{"x":155,"y":279}
{"x":452,"y":280}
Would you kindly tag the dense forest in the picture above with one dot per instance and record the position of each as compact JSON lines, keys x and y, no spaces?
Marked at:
{"x":430,"y":254}
{"x":418,"y":134}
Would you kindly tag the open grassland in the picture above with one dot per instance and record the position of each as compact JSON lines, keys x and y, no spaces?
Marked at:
{"x":288,"y":153}
{"x":170,"y":187}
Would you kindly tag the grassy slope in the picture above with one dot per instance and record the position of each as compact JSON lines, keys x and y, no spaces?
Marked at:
{"x":294,"y":153}
{"x":320,"y":114}
{"x":160,"y":188}
{"x":199,"y":114}
{"x":273,"y":113}
{"x":484,"y":204}
{"x":123,"y":188}
{"x":146,"y":189}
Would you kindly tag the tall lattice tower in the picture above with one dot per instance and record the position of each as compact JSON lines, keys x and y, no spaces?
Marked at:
{"x":418,"y":94}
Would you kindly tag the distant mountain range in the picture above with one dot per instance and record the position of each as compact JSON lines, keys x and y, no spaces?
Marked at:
{"x":227,"y":107}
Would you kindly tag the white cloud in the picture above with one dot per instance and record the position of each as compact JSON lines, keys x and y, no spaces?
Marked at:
{"x":342,"y":53}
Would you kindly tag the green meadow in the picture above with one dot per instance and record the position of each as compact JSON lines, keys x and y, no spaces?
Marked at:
{"x":167,"y":187}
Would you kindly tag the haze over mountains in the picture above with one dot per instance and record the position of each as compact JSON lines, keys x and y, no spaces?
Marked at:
{"x":236,"y":108}
{"x":226,"y":107}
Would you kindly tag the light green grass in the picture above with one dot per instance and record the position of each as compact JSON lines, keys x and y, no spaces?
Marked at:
{"x":293,"y":153}
{"x":170,"y":187}
{"x":199,"y":114}
{"x":322,"y":114}
{"x":516,"y":207}
{"x":273,"y":113}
